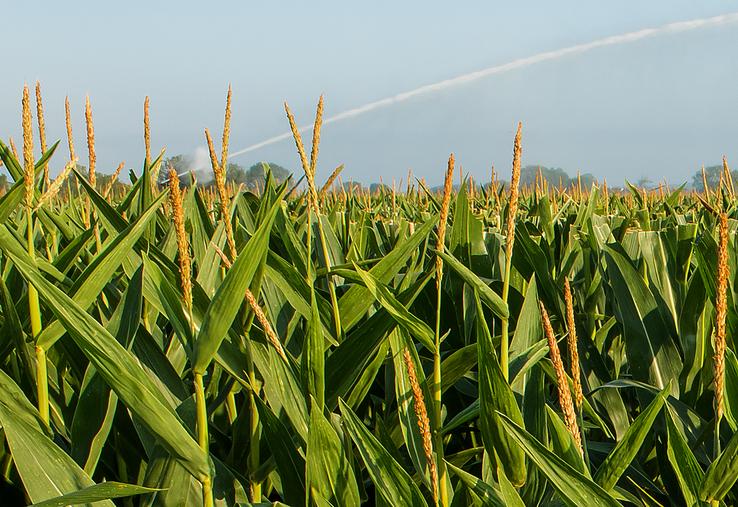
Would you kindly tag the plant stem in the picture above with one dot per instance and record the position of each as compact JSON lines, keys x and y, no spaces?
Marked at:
{"x":34,"y":310}
{"x":122,"y":467}
{"x":7,"y":466}
{"x":202,"y":436}
{"x":42,"y":385}
{"x":504,"y":338}
{"x":207,"y":492}
{"x":329,"y":277}
{"x":443,"y":492}
{"x":254,"y":456}
{"x":253,"y":439}
{"x":202,"y":415}
{"x":254,"y":452}
{"x":716,"y":443}
{"x":231,"y":406}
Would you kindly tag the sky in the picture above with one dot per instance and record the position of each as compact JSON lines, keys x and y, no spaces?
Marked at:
{"x":657,"y":108}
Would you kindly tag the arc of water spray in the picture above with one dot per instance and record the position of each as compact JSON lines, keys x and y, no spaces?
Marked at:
{"x":681,"y":26}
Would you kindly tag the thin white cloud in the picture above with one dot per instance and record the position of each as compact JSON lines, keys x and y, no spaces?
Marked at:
{"x":671,"y":28}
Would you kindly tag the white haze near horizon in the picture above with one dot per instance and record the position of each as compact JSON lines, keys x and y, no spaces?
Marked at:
{"x":658,"y":106}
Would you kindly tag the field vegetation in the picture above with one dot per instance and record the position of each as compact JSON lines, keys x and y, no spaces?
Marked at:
{"x":503,"y":344}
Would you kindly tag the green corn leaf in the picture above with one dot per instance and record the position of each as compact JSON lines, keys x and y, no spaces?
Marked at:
{"x":406,"y":403}
{"x":529,"y":329}
{"x":45,"y":469}
{"x":313,"y":355}
{"x":11,"y":199}
{"x":652,"y":354}
{"x":229,"y":296}
{"x":685,"y":465}
{"x":573,"y":487}
{"x":508,"y":491}
{"x":96,"y":493}
{"x":563,"y":443}
{"x":110,"y":217}
{"x":93,"y":420}
{"x":348,"y":360}
{"x":168,"y":299}
{"x":297,"y":291}
{"x":328,"y":463}
{"x":458,"y":364}
{"x":282,"y":385}
{"x":391,"y":482}
{"x":90,"y":283}
{"x":368,"y":376}
{"x":537,"y":424}
{"x":495,"y":396}
{"x":127,"y":316}
{"x":722,"y":473}
{"x":488,"y":296}
{"x":625,"y":451}
{"x":114,"y":363}
{"x":290,"y":464}
{"x":412,"y":324}
{"x":354,"y":303}
{"x":488,"y":494}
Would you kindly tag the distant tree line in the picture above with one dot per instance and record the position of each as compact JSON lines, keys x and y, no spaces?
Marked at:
{"x":712,"y":175}
{"x":554,"y":176}
{"x":251,"y":178}
{"x":102,"y":181}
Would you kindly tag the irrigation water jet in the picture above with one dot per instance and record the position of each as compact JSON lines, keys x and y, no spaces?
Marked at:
{"x":614,"y":40}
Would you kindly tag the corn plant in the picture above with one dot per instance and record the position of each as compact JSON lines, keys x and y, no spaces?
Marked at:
{"x":484,"y":345}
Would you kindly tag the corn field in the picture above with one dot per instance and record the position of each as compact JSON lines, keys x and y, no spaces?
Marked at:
{"x":322,"y":345}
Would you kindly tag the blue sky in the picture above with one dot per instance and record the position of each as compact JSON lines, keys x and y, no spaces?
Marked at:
{"x":658,"y":107}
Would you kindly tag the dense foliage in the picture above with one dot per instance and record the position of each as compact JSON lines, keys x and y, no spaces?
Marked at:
{"x":308,"y":358}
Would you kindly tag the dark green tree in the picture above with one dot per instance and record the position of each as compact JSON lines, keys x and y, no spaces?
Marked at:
{"x":348,"y":185}
{"x":712,"y":175}
{"x":103,"y":180}
{"x":236,"y":173}
{"x":254,"y":175}
{"x":379,"y":187}
{"x":551,"y":174}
